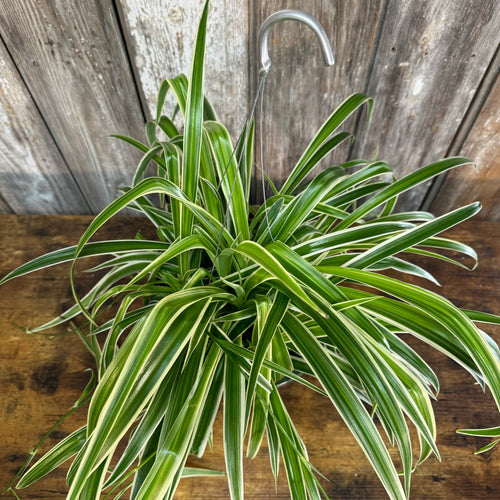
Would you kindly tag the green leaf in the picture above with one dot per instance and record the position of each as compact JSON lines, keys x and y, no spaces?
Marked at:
{"x":234,"y":427}
{"x":326,"y":148}
{"x":229,"y":177}
{"x":257,"y":425}
{"x":160,"y":101}
{"x":144,"y":163}
{"x":151,"y":132}
{"x":260,"y":396}
{"x":449,"y":316}
{"x":146,"y":461}
{"x":347,"y":403}
{"x":175,"y":249}
{"x":402,"y":185}
{"x":93,"y":295}
{"x":145,"y":430}
{"x":304,"y":166}
{"x":299,"y":209}
{"x":61,"y":452}
{"x":349,"y":236}
{"x":193,"y":121}
{"x":209,"y":412}
{"x":244,"y":151}
{"x":490,"y":432}
{"x":343,"y":192}
{"x":269,"y":329}
{"x":93,"y":485}
{"x":482,"y":317}
{"x":145,"y":187}
{"x":262,"y":257}
{"x":210,"y":196}
{"x":168,"y":127}
{"x":274,"y":447}
{"x":455,"y":246}
{"x":401,"y":266}
{"x":198,"y":471}
{"x":172,"y":452}
{"x":488,"y":447}
{"x":289,"y":450}
{"x":414,"y":236}
{"x":96,"y":248}
{"x":107,"y":422}
{"x":242,"y":353}
{"x":134,"y":142}
{"x":348,"y":337}
{"x":410,"y":319}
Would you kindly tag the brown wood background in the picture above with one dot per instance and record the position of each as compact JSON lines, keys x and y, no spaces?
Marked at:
{"x":40,"y":378}
{"x":71,"y":73}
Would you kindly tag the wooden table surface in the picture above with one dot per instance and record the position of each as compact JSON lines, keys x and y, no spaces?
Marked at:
{"x":40,"y":378}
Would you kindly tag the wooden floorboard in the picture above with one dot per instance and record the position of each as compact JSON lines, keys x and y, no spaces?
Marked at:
{"x":40,"y":378}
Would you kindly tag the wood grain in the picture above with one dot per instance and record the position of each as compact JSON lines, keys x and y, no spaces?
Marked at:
{"x":161,"y":36}
{"x":300,"y":92}
{"x":429,"y":62}
{"x":41,"y":377}
{"x":67,"y":82}
{"x":483,"y":181}
{"x":75,"y":67}
{"x":33,"y":175}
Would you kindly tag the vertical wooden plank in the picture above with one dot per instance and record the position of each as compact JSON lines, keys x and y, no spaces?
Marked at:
{"x":33,"y":175}
{"x":300,"y":92}
{"x":74,"y":64}
{"x":160,"y":36}
{"x":483,"y":182}
{"x":429,"y":63}
{"x":4,"y":207}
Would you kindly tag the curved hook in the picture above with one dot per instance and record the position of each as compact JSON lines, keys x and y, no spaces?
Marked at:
{"x":292,"y":15}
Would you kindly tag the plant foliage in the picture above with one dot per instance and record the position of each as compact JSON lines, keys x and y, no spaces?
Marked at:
{"x":231,"y":298}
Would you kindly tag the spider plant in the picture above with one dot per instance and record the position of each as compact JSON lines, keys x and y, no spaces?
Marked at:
{"x":231,"y":298}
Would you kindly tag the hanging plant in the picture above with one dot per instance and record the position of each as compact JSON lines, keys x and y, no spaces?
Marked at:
{"x":231,"y":298}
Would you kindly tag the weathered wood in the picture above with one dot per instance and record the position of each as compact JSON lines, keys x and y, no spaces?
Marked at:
{"x":300,"y":92}
{"x":470,"y":120}
{"x":33,"y":175}
{"x":4,"y":207}
{"x":40,"y":379}
{"x":482,"y":182}
{"x":160,"y":37}
{"x":422,"y":62}
{"x":74,"y":64}
{"x":49,"y":375}
{"x":429,"y":62}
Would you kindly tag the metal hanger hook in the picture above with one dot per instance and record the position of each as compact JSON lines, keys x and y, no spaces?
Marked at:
{"x":292,"y":15}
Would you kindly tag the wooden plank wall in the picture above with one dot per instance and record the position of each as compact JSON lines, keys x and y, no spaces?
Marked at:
{"x":33,"y":174}
{"x":428,"y":65}
{"x":481,"y":182}
{"x":73,"y":64}
{"x":73,"y":72}
{"x":160,"y":37}
{"x":300,"y":92}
